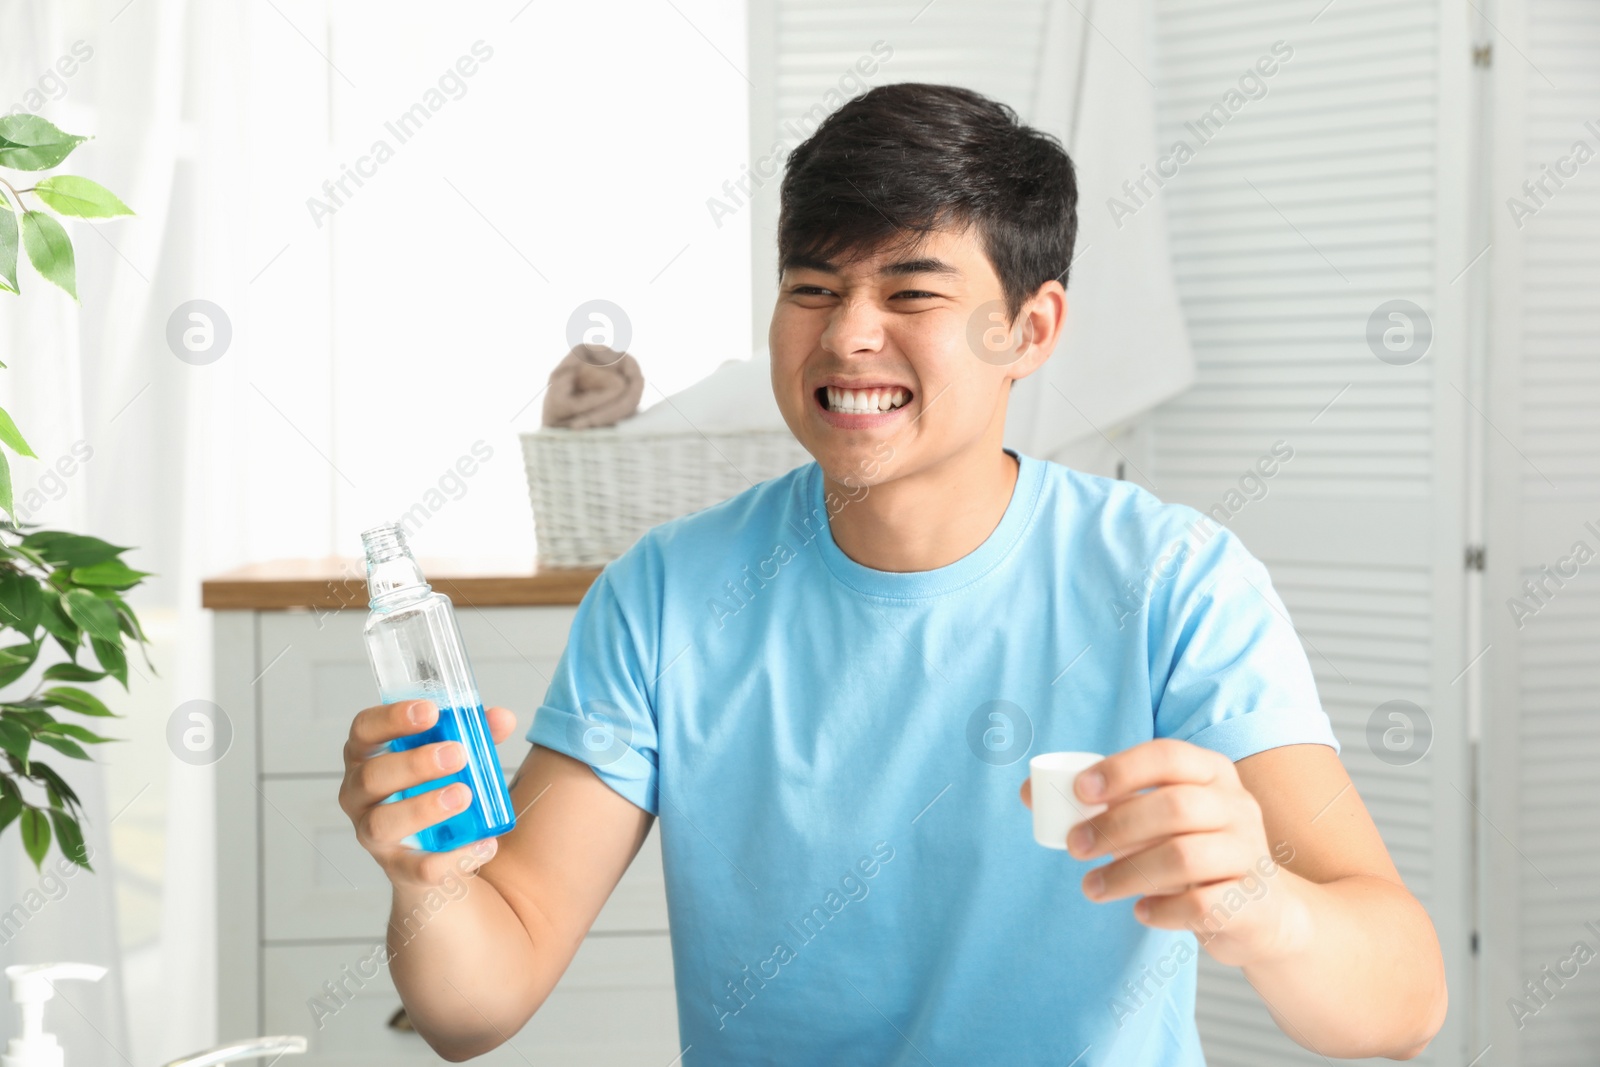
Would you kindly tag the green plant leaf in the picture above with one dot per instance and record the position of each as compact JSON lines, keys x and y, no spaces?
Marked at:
{"x":55,"y":781}
{"x":112,"y":658}
{"x":70,"y":837}
{"x":28,"y":554}
{"x":66,"y":696}
{"x":15,"y":738}
{"x":10,"y":808}
{"x":35,"y":719}
{"x":5,"y":484}
{"x":35,"y":834}
{"x":28,"y":142}
{"x":21,"y":601}
{"x":130,"y":621}
{"x":13,"y":436}
{"x":110,"y":572}
{"x":72,"y":729}
{"x":70,"y":549}
{"x":50,"y":251}
{"x":10,"y":242}
{"x":79,"y":197}
{"x":92,"y":614}
{"x":57,"y":624}
{"x":16,"y":660}
{"x":62,"y":744}
{"x":71,"y":672}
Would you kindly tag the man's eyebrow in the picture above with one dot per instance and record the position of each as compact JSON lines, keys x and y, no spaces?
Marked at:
{"x":920,"y":266}
{"x":926,"y":265}
{"x":798,"y":262}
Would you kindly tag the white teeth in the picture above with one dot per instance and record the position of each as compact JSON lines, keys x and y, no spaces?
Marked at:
{"x":865,"y":401}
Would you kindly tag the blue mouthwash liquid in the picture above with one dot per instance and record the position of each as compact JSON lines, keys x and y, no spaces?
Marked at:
{"x":486,"y":814}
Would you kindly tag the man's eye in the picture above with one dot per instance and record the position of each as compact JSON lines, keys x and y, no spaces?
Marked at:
{"x":811,"y":290}
{"x":915,"y":294}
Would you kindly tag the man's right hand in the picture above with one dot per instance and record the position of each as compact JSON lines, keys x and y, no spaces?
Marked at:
{"x":502,"y":946}
{"x":372,"y":773}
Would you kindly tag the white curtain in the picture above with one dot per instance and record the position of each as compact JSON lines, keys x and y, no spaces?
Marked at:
{"x":164,"y":115}
{"x":47,"y":917}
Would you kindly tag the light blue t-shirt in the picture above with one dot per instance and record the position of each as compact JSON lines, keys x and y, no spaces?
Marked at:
{"x":833,"y":753}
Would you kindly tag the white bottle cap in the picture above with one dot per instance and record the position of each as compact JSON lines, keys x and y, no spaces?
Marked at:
{"x":32,"y":985}
{"x":1056,"y":808}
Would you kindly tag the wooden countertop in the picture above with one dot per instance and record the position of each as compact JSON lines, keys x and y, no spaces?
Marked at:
{"x":342,"y":583}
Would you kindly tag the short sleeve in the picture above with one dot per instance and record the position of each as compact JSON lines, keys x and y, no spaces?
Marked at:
{"x":1227,"y":668}
{"x":598,"y":709}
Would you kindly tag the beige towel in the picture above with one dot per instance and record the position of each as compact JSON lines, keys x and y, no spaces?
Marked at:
{"x":592,"y":386}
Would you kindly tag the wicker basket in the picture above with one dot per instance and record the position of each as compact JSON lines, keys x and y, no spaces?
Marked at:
{"x":595,"y":491}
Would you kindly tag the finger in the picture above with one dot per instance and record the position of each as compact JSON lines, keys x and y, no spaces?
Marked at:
{"x":422,"y":868}
{"x":1027,"y":793}
{"x":1176,"y":911}
{"x":383,"y":723}
{"x":502,"y":722}
{"x":1201,"y":910}
{"x":1133,"y":824}
{"x":1169,"y":867}
{"x":386,"y":826}
{"x":1163,"y":761}
{"x":378,"y":776}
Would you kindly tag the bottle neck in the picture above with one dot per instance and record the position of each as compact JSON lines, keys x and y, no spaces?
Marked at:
{"x":395,"y":580}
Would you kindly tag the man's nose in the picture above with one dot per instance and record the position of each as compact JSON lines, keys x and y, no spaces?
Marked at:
{"x":854,"y":328}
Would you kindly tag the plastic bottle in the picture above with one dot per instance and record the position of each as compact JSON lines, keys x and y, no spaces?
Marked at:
{"x":416,"y":653}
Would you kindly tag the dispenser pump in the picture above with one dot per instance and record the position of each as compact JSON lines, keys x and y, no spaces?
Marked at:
{"x":32,"y":985}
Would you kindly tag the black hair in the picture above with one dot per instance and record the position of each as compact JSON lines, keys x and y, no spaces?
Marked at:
{"x":903,"y":159}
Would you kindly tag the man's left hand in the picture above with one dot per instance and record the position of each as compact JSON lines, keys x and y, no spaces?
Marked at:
{"x":1189,"y":838}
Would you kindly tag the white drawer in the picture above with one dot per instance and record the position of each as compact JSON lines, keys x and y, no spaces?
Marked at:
{"x":315,"y":677}
{"x":614,"y":1005}
{"x":320,"y":883}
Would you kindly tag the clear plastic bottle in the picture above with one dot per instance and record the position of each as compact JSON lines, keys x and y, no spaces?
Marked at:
{"x":416,"y":653}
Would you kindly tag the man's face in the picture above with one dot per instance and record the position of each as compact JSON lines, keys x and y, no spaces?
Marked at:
{"x":879,"y":366}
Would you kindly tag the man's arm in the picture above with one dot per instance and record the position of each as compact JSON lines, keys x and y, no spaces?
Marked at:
{"x":1367,"y":976}
{"x":474,"y":957}
{"x":1345,"y":958}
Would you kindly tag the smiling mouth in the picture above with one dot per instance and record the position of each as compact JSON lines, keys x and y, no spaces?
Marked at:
{"x":862,"y":401}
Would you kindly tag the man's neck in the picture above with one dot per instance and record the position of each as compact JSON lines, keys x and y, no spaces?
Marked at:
{"x":929,"y":519}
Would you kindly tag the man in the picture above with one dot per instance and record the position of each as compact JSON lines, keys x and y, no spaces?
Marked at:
{"x":824,"y":689}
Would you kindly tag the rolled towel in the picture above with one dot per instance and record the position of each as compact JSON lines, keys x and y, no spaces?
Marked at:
{"x":592,"y":386}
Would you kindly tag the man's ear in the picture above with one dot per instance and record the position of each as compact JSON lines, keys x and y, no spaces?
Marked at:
{"x":1040,"y":322}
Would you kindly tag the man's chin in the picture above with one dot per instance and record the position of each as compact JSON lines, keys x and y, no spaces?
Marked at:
{"x":855,"y":464}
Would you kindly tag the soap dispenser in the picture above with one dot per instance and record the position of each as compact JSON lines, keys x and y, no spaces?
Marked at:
{"x":31,"y":985}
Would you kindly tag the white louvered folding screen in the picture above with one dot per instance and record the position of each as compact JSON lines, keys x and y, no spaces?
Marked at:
{"x":1304,"y":207}
{"x":1542,"y":720}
